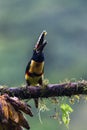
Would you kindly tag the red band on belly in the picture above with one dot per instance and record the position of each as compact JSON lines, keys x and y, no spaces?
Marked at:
{"x":34,"y":74}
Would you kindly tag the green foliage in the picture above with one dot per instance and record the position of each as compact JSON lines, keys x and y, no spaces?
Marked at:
{"x":42,"y":108}
{"x":61,"y":113}
{"x":66,"y":110}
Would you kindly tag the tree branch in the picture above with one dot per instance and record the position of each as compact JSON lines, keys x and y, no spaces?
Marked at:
{"x":51,"y":90}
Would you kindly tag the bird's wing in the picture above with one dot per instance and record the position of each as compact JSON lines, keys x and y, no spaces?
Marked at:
{"x":28,"y":66}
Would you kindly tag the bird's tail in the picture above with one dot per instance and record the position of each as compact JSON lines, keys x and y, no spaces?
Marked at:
{"x":36,"y":102}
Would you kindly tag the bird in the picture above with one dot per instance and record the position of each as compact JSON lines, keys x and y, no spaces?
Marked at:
{"x":34,"y":72}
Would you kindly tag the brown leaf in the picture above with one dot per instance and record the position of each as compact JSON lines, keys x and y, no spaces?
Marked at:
{"x":22,"y":121}
{"x":11,"y":116}
{"x":4,"y":107}
{"x":10,"y":126}
{"x":20,"y":105}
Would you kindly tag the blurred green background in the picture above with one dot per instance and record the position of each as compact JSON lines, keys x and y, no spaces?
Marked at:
{"x":21,"y":22}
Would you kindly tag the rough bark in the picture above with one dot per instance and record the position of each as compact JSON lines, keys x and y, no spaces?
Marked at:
{"x":50,"y":90}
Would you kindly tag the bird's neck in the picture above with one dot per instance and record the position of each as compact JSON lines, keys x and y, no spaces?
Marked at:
{"x":38,"y":57}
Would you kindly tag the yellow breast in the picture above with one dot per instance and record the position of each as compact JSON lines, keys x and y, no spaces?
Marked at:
{"x":36,"y":67}
{"x":33,"y":80}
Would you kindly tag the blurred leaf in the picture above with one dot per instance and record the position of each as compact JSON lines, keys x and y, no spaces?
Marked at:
{"x":11,"y":116}
{"x":66,"y":110}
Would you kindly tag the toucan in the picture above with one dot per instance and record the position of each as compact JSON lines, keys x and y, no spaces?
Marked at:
{"x":35,"y":68}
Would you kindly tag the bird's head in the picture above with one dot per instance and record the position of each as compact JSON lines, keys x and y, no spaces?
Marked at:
{"x":41,"y":43}
{"x":38,"y":49}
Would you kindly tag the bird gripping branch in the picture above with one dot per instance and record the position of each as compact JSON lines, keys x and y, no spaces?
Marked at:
{"x":35,"y":68}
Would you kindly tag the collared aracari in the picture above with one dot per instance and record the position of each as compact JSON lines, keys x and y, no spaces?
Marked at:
{"x":35,"y":68}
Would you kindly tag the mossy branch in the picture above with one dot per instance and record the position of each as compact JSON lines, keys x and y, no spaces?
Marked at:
{"x":50,"y":90}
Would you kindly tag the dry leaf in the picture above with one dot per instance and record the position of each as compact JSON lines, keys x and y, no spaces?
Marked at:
{"x":11,"y":116}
